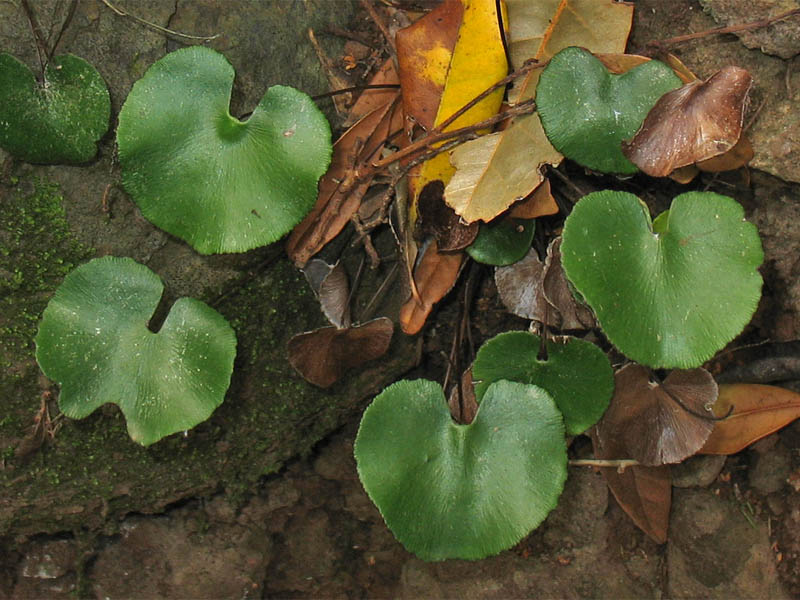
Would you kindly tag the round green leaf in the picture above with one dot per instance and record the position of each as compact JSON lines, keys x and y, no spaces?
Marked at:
{"x":668,"y":294}
{"x":94,"y":341}
{"x":587,"y":111}
{"x":503,"y":241}
{"x":59,"y":121}
{"x":576,"y":374}
{"x":221,"y":184}
{"x":461,"y":491}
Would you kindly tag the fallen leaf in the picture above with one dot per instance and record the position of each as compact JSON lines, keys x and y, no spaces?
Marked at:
{"x":435,"y":275}
{"x":520,"y":289}
{"x":338,"y":198}
{"x":651,"y":421}
{"x":691,"y":124}
{"x":538,"y":203}
{"x":758,"y":410}
{"x":332,"y":288}
{"x":644,"y":493}
{"x":566,"y":312}
{"x":495,"y":171}
{"x":371,"y":99}
{"x":476,"y":62}
{"x":462,"y":402}
{"x":540,"y":29}
{"x":424,"y":51}
{"x":324,"y":355}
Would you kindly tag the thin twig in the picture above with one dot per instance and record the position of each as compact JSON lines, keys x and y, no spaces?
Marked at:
{"x":357,"y":88}
{"x":621,"y":463}
{"x":64,"y":25}
{"x":38,"y":36}
{"x":728,"y":29}
{"x":164,"y":30}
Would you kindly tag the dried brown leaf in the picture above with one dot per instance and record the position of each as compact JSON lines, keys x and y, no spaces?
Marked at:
{"x":435,"y":275}
{"x":651,"y":421}
{"x":439,"y":221}
{"x":324,"y":355}
{"x":644,"y":493}
{"x":758,"y":410}
{"x":693,"y":123}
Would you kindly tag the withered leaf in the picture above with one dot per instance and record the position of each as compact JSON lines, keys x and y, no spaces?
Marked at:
{"x":435,"y":275}
{"x":339,"y":194}
{"x":693,"y":123}
{"x":644,"y":493}
{"x":439,"y":221}
{"x":462,"y":402}
{"x":568,"y":312}
{"x":647,"y":419}
{"x":520,"y":287}
{"x":332,"y":288}
{"x":758,"y":410}
{"x":324,"y":355}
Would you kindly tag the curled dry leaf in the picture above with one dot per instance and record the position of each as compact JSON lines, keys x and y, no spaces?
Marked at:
{"x":520,"y":287}
{"x":540,"y":291}
{"x":691,"y":124}
{"x":332,"y":288}
{"x":324,"y":355}
{"x":462,"y":402}
{"x":538,"y":203}
{"x":644,"y":493}
{"x":435,"y":275}
{"x":339,"y":194}
{"x":758,"y":410}
{"x":652,"y":421}
{"x":570,"y":313}
{"x":438,"y":220}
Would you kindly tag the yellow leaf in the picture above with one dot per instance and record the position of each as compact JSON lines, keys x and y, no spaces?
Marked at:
{"x":478,"y":61}
{"x":513,"y":158}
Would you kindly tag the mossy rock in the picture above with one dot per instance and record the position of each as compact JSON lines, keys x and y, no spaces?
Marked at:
{"x":90,"y":470}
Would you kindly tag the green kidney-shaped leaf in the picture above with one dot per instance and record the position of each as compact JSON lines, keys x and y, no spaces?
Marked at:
{"x":221,"y":184}
{"x":587,"y":111}
{"x":94,"y":341}
{"x":461,"y":491}
{"x":576,"y":374}
{"x":59,"y":121}
{"x":668,"y":294}
{"x":503,"y":241}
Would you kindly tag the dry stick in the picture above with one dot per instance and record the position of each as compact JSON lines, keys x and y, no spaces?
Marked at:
{"x":38,"y":36}
{"x":122,"y":13}
{"x":64,"y":25}
{"x":620,"y":463}
{"x":729,"y":29}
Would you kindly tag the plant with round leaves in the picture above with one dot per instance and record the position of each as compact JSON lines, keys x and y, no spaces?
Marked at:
{"x":668,"y":293}
{"x":462,"y":491}
{"x":93,"y":339}
{"x":587,"y":111}
{"x":575,"y":373}
{"x":57,"y":121}
{"x":503,"y":241}
{"x":220,"y":183}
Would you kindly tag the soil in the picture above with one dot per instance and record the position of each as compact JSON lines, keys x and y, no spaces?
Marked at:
{"x":264,"y":500}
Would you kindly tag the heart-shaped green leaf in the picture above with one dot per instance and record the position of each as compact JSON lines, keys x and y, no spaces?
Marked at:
{"x":668,"y":294}
{"x":462,"y":491}
{"x":221,"y":184}
{"x":587,"y":111}
{"x":94,"y":341}
{"x":59,"y":121}
{"x":503,"y":241}
{"x":576,"y":374}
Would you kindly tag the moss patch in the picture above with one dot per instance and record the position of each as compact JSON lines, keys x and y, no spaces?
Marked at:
{"x":91,"y":470}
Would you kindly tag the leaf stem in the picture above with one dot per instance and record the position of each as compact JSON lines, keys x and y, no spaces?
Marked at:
{"x":620,"y":463}
{"x":164,"y":30}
